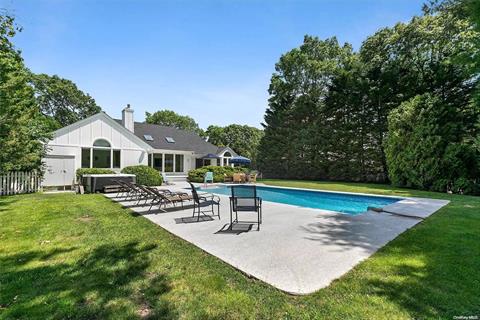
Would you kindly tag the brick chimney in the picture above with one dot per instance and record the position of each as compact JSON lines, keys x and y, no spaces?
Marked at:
{"x":127,"y":118}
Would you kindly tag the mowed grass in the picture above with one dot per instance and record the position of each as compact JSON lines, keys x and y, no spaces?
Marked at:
{"x":84,"y":257}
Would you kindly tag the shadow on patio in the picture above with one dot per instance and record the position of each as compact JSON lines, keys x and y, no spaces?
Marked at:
{"x":347,"y":232}
{"x":235,"y":229}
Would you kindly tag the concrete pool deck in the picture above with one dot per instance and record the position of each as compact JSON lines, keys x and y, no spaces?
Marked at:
{"x":297,"y":250}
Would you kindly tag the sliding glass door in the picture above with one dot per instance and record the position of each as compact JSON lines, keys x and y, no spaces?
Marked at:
{"x":179,"y":163}
{"x":167,"y":162}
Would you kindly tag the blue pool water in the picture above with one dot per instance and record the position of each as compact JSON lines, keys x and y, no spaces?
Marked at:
{"x":340,"y":202}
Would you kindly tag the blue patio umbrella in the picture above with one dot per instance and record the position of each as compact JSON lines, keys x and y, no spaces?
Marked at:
{"x":239,"y":160}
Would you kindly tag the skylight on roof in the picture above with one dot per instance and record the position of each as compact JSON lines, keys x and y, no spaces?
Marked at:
{"x":148,"y":137}
{"x":170,"y":139}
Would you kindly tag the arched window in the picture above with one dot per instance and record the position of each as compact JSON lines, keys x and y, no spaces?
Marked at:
{"x":102,"y":143}
{"x":100,"y":155}
{"x":226,"y":158}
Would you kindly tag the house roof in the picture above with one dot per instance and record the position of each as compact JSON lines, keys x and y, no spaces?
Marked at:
{"x":222,"y":150}
{"x":184,"y":140}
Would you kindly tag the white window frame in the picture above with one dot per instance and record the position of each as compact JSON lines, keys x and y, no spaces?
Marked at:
{"x":174,"y":154}
{"x":92,"y":148}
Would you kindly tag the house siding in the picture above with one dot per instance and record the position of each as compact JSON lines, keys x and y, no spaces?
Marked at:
{"x":68,"y":142}
{"x":72,"y":142}
{"x":85,"y":135}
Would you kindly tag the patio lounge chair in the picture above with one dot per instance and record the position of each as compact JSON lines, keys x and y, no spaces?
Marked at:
{"x":227,"y":178}
{"x":168,"y":192}
{"x":159,"y":196}
{"x":198,"y":201}
{"x":147,"y":194}
{"x":133,"y":191}
{"x":245,"y":199}
{"x":137,"y":192}
{"x":122,"y":189}
{"x":239,"y":177}
{"x":252,"y":178}
{"x":169,"y":198}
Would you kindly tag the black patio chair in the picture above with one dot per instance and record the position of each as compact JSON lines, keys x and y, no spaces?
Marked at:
{"x":202,"y":200}
{"x":244,"y":198}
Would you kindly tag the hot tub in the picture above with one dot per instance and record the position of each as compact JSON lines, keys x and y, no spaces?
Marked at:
{"x":96,"y":182}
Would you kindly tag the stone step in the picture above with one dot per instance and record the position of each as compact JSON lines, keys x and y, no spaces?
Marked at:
{"x":177,"y":178}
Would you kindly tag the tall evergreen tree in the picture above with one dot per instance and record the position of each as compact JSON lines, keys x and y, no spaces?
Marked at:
{"x":310,"y":132}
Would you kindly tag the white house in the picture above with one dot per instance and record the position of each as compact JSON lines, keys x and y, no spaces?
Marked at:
{"x":102,"y":142}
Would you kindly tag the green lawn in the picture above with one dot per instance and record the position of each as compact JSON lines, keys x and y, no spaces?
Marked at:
{"x":84,"y":257}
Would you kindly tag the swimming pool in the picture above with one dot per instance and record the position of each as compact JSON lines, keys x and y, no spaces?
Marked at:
{"x":341,"y":202}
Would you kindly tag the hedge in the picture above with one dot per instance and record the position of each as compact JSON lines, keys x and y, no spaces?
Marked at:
{"x":146,"y":175}
{"x":80,"y":172}
{"x":219,"y":173}
{"x":428,"y":146}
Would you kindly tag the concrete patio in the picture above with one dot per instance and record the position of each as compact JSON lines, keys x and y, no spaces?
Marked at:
{"x":297,"y":250}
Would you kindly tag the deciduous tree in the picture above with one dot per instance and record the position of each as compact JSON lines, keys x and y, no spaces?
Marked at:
{"x":61,"y":100}
{"x":22,"y":126}
{"x":243,"y":139}
{"x":172,"y":119}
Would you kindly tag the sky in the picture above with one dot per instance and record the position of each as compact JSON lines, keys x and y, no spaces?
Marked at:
{"x":211,"y":60}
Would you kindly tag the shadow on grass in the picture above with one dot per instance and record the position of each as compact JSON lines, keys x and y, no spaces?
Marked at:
{"x":405,"y":289}
{"x":109,"y":281}
{"x":432,"y":289}
{"x":6,"y":201}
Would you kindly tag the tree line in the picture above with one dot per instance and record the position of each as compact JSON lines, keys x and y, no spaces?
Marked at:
{"x":404,"y":107}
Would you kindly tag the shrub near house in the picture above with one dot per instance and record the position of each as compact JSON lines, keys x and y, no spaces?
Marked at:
{"x":146,"y":175}
{"x":218,"y":173}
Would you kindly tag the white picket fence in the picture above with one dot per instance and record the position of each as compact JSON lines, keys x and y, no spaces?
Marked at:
{"x":16,"y":182}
